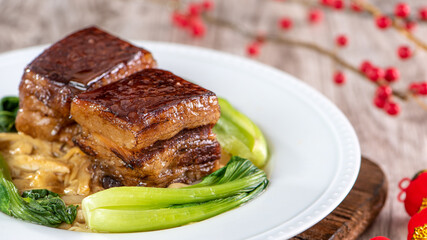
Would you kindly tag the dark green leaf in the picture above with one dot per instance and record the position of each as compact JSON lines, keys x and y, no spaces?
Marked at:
{"x":9,"y":104}
{"x":9,"y":107}
{"x":4,"y":200}
{"x":39,"y":193}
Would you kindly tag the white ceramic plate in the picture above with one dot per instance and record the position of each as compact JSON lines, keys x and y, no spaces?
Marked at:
{"x":315,"y":155}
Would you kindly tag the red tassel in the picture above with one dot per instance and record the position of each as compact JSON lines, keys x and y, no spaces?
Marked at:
{"x":403,"y":189}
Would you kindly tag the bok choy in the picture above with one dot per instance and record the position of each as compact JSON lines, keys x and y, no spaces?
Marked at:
{"x":37,"y":206}
{"x":130,"y":209}
{"x":9,"y":107}
{"x":239,"y":136}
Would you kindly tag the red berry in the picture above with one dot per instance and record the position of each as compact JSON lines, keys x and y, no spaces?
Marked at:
{"x":383,"y":92}
{"x":326,"y":2}
{"x":355,"y":7}
{"x":194,"y":9}
{"x":422,"y":88}
{"x":365,"y":67}
{"x":179,"y":20}
{"x":392,"y":108}
{"x":375,"y":74}
{"x":410,"y":25}
{"x":285,"y":23}
{"x":198,"y":28}
{"x":418,"y":88}
{"x":383,"y":22}
{"x":391,"y":74}
{"x":207,"y":5}
{"x":338,"y":4}
{"x":339,"y":78}
{"x":404,"y":52}
{"x":341,"y":40}
{"x":315,"y":16}
{"x":414,"y":87}
{"x":380,"y":102}
{"x":423,"y":13}
{"x":402,"y":10}
{"x":253,"y":49}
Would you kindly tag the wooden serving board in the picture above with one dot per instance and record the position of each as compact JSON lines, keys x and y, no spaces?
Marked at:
{"x":357,"y":211}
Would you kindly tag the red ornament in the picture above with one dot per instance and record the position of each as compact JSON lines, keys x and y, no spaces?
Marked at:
{"x":285,"y":23}
{"x":339,"y":78}
{"x":338,"y":4}
{"x":384,"y":92}
{"x":404,"y":52}
{"x":417,"y":226}
{"x":315,"y":15}
{"x":341,"y":40}
{"x":383,"y":22}
{"x":422,"y":12}
{"x":380,"y":238}
{"x":416,"y":193}
{"x":392,"y":108}
{"x":402,"y":10}
{"x":253,"y":49}
{"x":391,"y":74}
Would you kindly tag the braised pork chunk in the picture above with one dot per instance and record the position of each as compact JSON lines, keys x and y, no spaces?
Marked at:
{"x":152,"y":128}
{"x":185,"y":158}
{"x":143,"y":108}
{"x":82,"y":61}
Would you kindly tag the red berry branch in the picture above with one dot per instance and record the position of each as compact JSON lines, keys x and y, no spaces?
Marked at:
{"x":194,"y":17}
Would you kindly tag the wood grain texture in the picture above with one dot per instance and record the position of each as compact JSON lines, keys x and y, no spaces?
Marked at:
{"x":358,"y":210}
{"x":398,"y":145}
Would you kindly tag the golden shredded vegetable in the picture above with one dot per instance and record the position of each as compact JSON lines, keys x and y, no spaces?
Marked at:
{"x":39,"y":164}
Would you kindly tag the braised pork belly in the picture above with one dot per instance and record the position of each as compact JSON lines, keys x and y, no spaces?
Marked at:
{"x":82,"y":61}
{"x":151,"y":128}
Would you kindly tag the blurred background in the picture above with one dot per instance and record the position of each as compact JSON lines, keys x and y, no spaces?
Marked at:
{"x":396,"y":143}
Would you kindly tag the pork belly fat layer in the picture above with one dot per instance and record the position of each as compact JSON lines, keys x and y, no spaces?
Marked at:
{"x":145,"y":107}
{"x":187,"y":157}
{"x":82,"y":61}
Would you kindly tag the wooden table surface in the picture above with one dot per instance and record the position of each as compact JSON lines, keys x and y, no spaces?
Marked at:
{"x":398,"y":144}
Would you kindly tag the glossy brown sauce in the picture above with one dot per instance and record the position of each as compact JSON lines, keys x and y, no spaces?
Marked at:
{"x":144,"y":94}
{"x":81,"y":58}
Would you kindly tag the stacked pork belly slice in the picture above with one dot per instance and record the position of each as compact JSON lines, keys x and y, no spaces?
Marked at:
{"x":151,"y":128}
{"x":82,"y":61}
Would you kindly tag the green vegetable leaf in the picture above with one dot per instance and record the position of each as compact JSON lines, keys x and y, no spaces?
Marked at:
{"x":239,"y":136}
{"x":39,"y":206}
{"x":9,"y":107}
{"x":129,"y":209}
{"x":4,"y":200}
{"x":39,"y":194}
